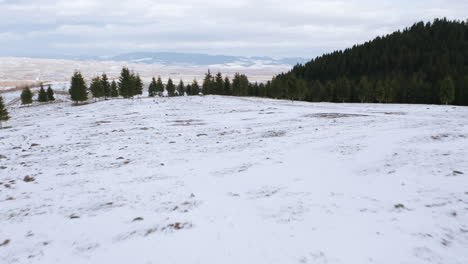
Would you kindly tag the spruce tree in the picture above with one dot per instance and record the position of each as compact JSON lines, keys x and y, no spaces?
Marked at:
{"x":42,"y":96}
{"x":363,"y":89}
{"x":447,"y":91}
{"x":159,"y":87}
{"x":181,"y":88}
{"x":126,"y":83}
{"x":227,"y":87}
{"x":97,"y":87}
{"x":50,"y":93}
{"x":114,"y":92}
{"x":170,"y":87}
{"x":195,"y":88}
{"x":152,"y":88}
{"x":4,"y":116}
{"x":107,"y":86}
{"x":78,"y":90}
{"x":138,"y":89}
{"x":240,"y":85}
{"x":26,"y":96}
{"x":188,"y":89}
{"x":208,"y":83}
{"x":218,"y":84}
{"x":380,"y":91}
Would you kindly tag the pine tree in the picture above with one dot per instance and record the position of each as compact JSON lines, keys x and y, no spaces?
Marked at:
{"x":188,"y":89}
{"x":42,"y":96}
{"x":363,"y":90}
{"x":152,"y":88}
{"x":240,"y":85}
{"x":447,"y":91}
{"x":26,"y":96}
{"x":107,"y":86}
{"x":138,"y":86}
{"x":159,"y":87}
{"x":170,"y":87}
{"x":380,"y":91}
{"x":50,"y":93}
{"x":218,"y":84}
{"x":96,"y":87}
{"x":4,"y":115}
{"x":114,"y":92}
{"x":78,"y":90}
{"x":126,"y":83}
{"x":343,"y":89}
{"x":195,"y":87}
{"x":227,"y":87}
{"x":181,"y":88}
{"x":208,"y":83}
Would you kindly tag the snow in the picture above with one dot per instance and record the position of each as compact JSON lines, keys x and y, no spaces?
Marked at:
{"x":234,"y":180}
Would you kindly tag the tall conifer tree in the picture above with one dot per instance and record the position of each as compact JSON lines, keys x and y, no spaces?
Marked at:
{"x":26,"y":96}
{"x":170,"y":87}
{"x":181,"y":88}
{"x":159,"y":87}
{"x":78,"y":90}
{"x":4,"y":115}
{"x":106,"y":84}
{"x":152,"y":88}
{"x":195,"y":88}
{"x":50,"y":93}
{"x":42,"y":96}
{"x":114,"y":92}
{"x":126,"y":83}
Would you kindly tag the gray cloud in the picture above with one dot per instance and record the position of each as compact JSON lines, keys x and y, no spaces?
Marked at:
{"x":262,"y":27}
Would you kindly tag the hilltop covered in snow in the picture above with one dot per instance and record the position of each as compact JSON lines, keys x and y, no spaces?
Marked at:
{"x":233,"y":180}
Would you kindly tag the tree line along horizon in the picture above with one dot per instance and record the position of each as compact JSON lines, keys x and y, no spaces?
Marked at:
{"x":426,"y":63}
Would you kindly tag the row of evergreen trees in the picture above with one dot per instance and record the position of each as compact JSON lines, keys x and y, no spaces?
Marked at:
{"x":130,"y":84}
{"x":424,"y":64}
{"x":43,"y":95}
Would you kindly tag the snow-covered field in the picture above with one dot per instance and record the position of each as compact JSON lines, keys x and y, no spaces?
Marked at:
{"x":234,"y":180}
{"x":14,"y":71}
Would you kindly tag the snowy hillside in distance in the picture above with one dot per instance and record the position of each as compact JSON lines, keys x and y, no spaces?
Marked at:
{"x":192,"y":59}
{"x":233,"y":180}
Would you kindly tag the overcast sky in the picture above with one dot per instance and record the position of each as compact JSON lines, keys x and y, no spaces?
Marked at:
{"x":279,"y":28}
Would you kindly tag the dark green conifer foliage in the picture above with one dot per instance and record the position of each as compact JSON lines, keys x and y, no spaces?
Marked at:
{"x":114,"y":92}
{"x":152,"y":88}
{"x":42,"y":96}
{"x":343,"y":89}
{"x":218,"y":84}
{"x":208,"y":84}
{"x":195,"y":88}
{"x":363,"y":90}
{"x":4,"y":115}
{"x":380,"y":89}
{"x":170,"y":87}
{"x":159,"y":87}
{"x":50,"y":94}
{"x":126,"y":83}
{"x":106,"y":84}
{"x":138,"y":85}
{"x":26,"y":96}
{"x":181,"y":88}
{"x":78,"y":90}
{"x":447,"y":91}
{"x":407,"y":66}
{"x":227,"y":90}
{"x":188,"y":89}
{"x":96,"y":87}
{"x":240,"y":85}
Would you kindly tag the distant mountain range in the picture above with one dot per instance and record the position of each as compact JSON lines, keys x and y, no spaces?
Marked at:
{"x":191,"y":59}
